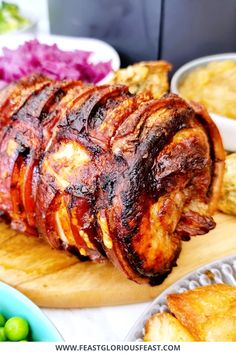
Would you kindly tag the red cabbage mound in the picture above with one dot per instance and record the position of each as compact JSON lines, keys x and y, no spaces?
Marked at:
{"x":49,"y":60}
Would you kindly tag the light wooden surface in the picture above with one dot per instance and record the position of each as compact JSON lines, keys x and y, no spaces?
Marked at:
{"x":54,"y":278}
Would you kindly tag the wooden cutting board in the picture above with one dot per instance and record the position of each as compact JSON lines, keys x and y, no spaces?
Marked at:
{"x":54,"y":278}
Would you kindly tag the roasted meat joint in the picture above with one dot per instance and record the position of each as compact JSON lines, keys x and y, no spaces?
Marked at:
{"x":103,"y":173}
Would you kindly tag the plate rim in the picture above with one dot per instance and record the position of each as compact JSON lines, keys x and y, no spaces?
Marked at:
{"x":146,"y":314}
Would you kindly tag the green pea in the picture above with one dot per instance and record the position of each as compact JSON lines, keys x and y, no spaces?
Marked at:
{"x":2,"y":320}
{"x":16,"y":329}
{"x":23,"y":340}
{"x":3,"y":337}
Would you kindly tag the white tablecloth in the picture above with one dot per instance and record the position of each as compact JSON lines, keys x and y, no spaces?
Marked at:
{"x":95,"y":324}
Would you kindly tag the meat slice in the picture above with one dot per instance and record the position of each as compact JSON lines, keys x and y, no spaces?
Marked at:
{"x":115,"y":116}
{"x":29,"y":170}
{"x":21,"y":147}
{"x":13,"y":97}
{"x":72,"y":151}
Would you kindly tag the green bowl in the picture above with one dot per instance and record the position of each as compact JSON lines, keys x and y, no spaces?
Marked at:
{"x":14,"y":303}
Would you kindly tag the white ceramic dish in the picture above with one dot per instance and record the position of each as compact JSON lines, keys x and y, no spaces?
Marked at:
{"x":226,"y":125}
{"x":221,"y":271}
{"x":30,"y":28}
{"x":101,"y":51}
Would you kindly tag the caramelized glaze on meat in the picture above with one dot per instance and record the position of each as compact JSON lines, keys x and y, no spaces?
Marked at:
{"x":103,"y":173}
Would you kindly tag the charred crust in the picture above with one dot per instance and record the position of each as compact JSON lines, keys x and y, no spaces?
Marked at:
{"x":126,"y":172}
{"x":80,"y":190}
{"x":159,"y":278}
{"x":74,"y":250}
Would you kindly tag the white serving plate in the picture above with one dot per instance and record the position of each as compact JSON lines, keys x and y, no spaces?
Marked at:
{"x":102,"y":51}
{"x":226,"y":125}
{"x":222,"y":271}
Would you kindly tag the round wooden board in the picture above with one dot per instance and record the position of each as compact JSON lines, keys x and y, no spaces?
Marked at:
{"x":54,"y":278}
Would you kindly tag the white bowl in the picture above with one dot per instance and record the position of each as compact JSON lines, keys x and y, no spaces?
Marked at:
{"x":102,"y":51}
{"x":227,"y":126}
